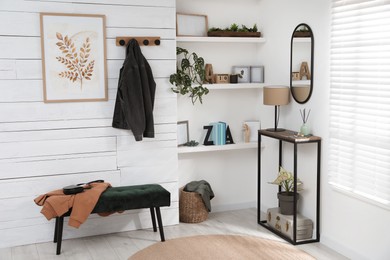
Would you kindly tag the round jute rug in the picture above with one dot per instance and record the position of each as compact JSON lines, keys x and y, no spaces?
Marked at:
{"x":224,"y":247}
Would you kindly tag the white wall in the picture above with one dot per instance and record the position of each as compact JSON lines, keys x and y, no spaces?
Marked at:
{"x":231,"y":174}
{"x":48,"y":146}
{"x":352,"y":227}
{"x":279,"y":21}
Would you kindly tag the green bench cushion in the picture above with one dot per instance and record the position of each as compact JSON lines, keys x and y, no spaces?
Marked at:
{"x":132,"y":197}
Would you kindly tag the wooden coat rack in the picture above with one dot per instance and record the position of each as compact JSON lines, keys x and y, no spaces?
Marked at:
{"x":142,"y":41}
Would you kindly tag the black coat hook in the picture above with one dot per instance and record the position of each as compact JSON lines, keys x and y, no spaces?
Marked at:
{"x":143,"y":41}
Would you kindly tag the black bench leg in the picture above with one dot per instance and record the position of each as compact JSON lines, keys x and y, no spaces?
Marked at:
{"x":160,"y":226}
{"x":153,"y":219}
{"x":58,"y":232}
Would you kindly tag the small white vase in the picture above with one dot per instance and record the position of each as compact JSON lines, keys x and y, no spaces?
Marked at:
{"x":305,"y":130}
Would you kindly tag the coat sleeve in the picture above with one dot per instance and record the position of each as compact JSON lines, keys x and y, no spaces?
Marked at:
{"x":149,"y":89}
{"x":85,"y":202}
{"x":131,"y":98}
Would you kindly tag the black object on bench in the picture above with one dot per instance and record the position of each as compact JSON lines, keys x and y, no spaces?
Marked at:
{"x":114,"y":199}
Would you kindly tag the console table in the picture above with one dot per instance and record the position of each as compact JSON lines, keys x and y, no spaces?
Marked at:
{"x":290,"y":137}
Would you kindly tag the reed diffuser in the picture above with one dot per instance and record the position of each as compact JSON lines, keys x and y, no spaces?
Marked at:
{"x":304,"y":130}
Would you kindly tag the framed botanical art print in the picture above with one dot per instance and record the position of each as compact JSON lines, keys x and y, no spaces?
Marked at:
{"x":73,"y":57}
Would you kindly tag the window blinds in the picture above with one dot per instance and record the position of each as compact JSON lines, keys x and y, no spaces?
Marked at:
{"x":360,"y":98}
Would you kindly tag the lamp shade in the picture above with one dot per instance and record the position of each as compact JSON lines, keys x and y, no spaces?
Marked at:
{"x":276,"y":95}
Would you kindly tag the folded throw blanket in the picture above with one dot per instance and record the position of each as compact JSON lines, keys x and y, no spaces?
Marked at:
{"x":204,"y":189}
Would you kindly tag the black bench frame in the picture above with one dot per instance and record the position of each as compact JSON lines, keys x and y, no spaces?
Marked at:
{"x":59,"y":226}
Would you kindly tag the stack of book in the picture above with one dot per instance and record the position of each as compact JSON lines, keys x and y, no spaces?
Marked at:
{"x":218,"y":133}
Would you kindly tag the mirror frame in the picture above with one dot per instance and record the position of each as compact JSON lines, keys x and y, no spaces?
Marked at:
{"x":311,"y":63}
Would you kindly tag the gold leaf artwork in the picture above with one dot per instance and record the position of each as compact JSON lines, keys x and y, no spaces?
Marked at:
{"x":77,"y":65}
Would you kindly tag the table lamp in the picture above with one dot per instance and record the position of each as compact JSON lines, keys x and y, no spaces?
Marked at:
{"x":276,"y":96}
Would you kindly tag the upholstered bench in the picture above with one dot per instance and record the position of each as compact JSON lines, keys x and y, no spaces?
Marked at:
{"x":114,"y":199}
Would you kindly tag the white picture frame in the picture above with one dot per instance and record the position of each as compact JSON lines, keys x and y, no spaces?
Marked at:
{"x":191,"y":25}
{"x":244,"y":71}
{"x":183,"y":135}
{"x":257,"y":74}
{"x":73,"y":57}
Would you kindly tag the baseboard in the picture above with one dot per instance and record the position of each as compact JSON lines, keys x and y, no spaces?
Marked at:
{"x":347,"y":252}
{"x":236,"y":206}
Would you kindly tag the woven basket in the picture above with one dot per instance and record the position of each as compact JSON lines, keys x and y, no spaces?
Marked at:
{"x":191,"y":207}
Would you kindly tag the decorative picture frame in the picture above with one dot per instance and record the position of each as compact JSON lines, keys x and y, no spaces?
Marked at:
{"x":244,"y":71}
{"x":73,"y":57}
{"x":191,"y":25}
{"x":257,"y":74}
{"x":183,"y":135}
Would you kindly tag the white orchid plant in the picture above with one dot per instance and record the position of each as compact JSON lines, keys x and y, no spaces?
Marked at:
{"x":285,"y":179}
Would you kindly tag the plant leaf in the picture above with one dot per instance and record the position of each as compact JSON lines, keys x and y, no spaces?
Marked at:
{"x":59,"y":36}
{"x":185,"y":64}
{"x":180,"y":51}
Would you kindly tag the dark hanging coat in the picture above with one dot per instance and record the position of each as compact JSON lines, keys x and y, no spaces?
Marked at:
{"x":135,"y":96}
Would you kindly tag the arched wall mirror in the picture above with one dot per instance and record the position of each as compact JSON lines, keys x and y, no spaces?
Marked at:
{"x":301,"y":63}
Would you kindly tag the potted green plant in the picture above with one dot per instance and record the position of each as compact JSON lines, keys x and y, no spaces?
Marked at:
{"x":285,"y":180}
{"x":234,"y":77}
{"x":189,"y":76}
{"x":234,"y":31}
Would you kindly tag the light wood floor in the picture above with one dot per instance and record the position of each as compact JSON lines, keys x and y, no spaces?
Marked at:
{"x":122,"y":245}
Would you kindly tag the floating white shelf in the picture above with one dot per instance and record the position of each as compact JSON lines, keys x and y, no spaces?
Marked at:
{"x":213,"y":148}
{"x":234,"y":86}
{"x":221,"y":39}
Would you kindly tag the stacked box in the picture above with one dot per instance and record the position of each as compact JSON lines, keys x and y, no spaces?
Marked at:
{"x":284,"y":224}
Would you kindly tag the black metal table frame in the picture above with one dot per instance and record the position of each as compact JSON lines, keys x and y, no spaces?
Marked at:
{"x":295,"y":144}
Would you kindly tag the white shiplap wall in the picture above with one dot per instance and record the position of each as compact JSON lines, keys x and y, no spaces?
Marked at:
{"x":47,"y":146}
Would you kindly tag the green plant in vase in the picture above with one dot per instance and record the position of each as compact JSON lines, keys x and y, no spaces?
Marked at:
{"x":285,"y":180}
{"x":189,"y":76}
{"x":234,"y":77}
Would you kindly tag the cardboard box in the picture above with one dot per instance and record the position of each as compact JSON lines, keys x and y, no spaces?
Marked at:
{"x":284,"y":224}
